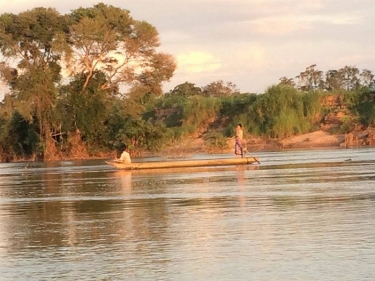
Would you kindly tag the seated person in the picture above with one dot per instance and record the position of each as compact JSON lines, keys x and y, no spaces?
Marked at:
{"x":125,"y":156}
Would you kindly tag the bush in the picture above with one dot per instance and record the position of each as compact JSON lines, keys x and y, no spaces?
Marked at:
{"x":215,"y":140}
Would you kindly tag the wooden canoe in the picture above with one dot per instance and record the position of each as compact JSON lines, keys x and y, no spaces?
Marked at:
{"x":184,"y":163}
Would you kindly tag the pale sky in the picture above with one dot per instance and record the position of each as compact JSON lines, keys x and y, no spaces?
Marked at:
{"x":251,"y":43}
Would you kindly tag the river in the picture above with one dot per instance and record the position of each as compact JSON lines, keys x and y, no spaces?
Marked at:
{"x":299,"y":215}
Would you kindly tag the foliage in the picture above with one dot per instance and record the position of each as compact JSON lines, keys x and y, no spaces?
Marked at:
{"x":185,"y":90}
{"x":236,"y":104}
{"x":124,"y":49}
{"x":366,"y":108}
{"x":219,"y":88}
{"x":198,"y":111}
{"x":310,"y":79}
{"x":19,"y":138}
{"x":215,"y":140}
{"x":347,"y":78}
{"x":35,"y":40}
{"x":281,"y":112}
{"x":98,"y":50}
{"x":287,"y":81}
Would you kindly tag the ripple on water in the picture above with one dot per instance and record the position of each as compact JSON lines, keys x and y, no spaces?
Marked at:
{"x":297,"y":216}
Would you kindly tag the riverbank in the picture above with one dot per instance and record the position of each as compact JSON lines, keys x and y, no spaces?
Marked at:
{"x":190,"y":146}
{"x":314,"y":140}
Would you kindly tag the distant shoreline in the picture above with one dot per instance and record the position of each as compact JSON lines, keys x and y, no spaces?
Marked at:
{"x":318,"y":140}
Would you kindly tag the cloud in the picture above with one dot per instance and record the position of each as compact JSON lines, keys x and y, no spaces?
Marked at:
{"x":251,"y":57}
{"x":289,"y":23}
{"x":17,"y":6}
{"x":361,"y":61}
{"x":197,"y":62}
{"x":278,"y":26}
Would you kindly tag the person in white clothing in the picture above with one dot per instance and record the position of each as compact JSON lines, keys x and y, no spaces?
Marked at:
{"x":125,"y":156}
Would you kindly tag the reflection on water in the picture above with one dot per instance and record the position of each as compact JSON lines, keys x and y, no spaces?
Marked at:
{"x":297,"y":216}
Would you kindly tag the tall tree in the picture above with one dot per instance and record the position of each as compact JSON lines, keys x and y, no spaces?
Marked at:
{"x":101,"y":51}
{"x":186,"y":89}
{"x":33,"y":42}
{"x":219,"y":88}
{"x":285,"y":81}
{"x":108,"y":39}
{"x":367,"y":78}
{"x":112,"y":53}
{"x":349,"y":77}
{"x":333,"y":80}
{"x":310,"y":79}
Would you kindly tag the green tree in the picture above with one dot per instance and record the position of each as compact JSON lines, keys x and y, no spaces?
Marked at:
{"x":113,"y":52}
{"x":366,"y":108}
{"x":199,"y":111}
{"x":86,"y":111}
{"x":34,"y":41}
{"x":101,"y":51}
{"x":280,"y":112}
{"x":287,"y":81}
{"x":333,"y":80}
{"x":349,"y":78}
{"x":219,"y":88}
{"x":367,"y":78}
{"x":234,"y":110}
{"x":19,"y":139}
{"x":108,"y":39}
{"x":310,"y":79}
{"x":185,"y":90}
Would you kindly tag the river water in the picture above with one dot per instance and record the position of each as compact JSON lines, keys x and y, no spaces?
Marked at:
{"x":299,"y":215}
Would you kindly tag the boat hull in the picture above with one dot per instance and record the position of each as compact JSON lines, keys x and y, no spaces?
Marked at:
{"x":185,"y":163}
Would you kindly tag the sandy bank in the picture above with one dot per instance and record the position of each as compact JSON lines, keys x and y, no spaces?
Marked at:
{"x":315,"y":139}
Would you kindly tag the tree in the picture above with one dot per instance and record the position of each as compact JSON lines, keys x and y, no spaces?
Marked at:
{"x":333,"y":80}
{"x":85,"y":112}
{"x":34,"y":41}
{"x":108,"y":39}
{"x":367,"y":78}
{"x":219,"y":88}
{"x":287,"y":81}
{"x":199,"y":111}
{"x":186,"y":89}
{"x":310,"y":79}
{"x":281,"y":112}
{"x":113,"y":52}
{"x":101,"y":51}
{"x":349,"y":78}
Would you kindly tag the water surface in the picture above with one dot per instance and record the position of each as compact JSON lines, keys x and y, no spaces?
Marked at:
{"x":299,"y":215}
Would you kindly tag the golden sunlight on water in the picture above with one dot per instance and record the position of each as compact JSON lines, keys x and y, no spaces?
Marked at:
{"x":299,"y":215}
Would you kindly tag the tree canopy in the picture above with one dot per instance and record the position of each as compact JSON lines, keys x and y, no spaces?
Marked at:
{"x":63,"y":70}
{"x":346,"y":78}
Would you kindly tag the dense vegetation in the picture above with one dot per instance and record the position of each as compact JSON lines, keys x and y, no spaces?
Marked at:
{"x":82,"y":84}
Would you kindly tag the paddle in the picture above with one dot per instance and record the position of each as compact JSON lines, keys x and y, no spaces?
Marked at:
{"x":243,"y":151}
{"x":256,"y":160}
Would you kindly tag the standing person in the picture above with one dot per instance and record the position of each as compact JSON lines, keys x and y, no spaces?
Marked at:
{"x":238,"y":148}
{"x":125,"y":156}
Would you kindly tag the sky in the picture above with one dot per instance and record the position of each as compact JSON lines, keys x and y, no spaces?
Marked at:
{"x":251,"y":43}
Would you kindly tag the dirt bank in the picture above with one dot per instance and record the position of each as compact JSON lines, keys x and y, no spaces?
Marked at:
{"x":318,"y":139}
{"x":315,"y":139}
